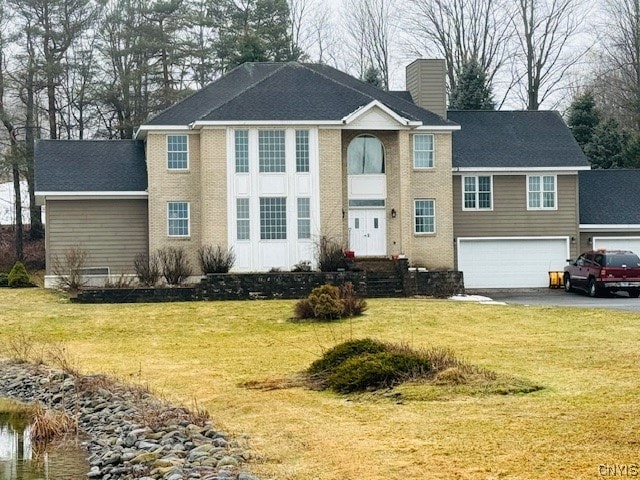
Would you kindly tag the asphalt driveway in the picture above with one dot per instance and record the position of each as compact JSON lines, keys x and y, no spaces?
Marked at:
{"x":558,"y":297}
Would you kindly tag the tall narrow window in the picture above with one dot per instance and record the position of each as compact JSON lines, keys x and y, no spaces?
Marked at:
{"x":242,"y":218}
{"x":541,"y":192}
{"x":423,"y":150}
{"x":477,"y":193}
{"x":302,"y":151}
{"x":177,"y":152}
{"x":242,"y":151}
{"x":425,"y":216}
{"x":304,"y":218}
{"x":271,"y":151}
{"x":178,"y":219}
{"x":273,"y":218}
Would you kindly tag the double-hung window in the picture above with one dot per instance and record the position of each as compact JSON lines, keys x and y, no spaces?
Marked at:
{"x":177,"y":152}
{"x":178,"y":219}
{"x":271,"y":151}
{"x":423,"y":150}
{"x":242,"y":151}
{"x":273,"y":218}
{"x":477,"y":193}
{"x":425,"y":216}
{"x":541,"y":192}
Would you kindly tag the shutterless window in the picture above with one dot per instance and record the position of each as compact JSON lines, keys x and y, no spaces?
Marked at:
{"x":365,"y":155}
{"x":242,"y":151}
{"x":177,"y":152}
{"x":302,"y":151}
{"x":242,"y":218}
{"x":273,"y":218}
{"x":271,"y":151}
{"x":304,"y":218}
{"x":425,"y":216}
{"x":477,"y":193}
{"x":178,"y":219}
{"x":423,"y":151}
{"x":542,"y":191}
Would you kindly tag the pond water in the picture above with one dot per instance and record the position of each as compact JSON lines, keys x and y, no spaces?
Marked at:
{"x":20,"y":459}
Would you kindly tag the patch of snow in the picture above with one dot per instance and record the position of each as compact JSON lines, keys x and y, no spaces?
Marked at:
{"x":7,"y":208}
{"x":471,"y":298}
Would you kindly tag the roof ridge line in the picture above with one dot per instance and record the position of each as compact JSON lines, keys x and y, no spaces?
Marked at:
{"x":253,"y":85}
{"x":306,"y":65}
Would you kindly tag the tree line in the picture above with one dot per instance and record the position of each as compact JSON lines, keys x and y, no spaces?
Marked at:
{"x":75,"y":69}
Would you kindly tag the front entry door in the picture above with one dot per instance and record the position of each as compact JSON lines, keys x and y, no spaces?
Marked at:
{"x":368,"y":232}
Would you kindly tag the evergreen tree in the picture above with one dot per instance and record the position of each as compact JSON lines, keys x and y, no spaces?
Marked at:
{"x":372,"y":76}
{"x":606,"y":148}
{"x":472,"y":90}
{"x":583,"y":118}
{"x":632,"y":152}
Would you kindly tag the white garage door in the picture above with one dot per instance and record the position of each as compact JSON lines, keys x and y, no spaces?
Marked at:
{"x":617,"y":243}
{"x":511,"y":262}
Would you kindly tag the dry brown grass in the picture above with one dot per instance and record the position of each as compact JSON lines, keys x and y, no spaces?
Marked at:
{"x":587,"y":360}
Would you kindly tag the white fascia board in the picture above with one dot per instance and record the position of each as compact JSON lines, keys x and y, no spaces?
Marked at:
{"x":377,"y":104}
{"x":548,"y":237}
{"x":91,"y":195}
{"x":258,"y":123}
{"x":508,"y":170}
{"x":439,"y":128}
{"x":592,"y":227}
{"x":143,"y":129}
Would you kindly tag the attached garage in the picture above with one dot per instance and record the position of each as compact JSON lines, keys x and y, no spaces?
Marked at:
{"x":516,"y":262}
{"x":617,"y":243}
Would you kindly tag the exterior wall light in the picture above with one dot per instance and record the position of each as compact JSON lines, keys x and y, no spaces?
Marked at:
{"x":393,"y":213}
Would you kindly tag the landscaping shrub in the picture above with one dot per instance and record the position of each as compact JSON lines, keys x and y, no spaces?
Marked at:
{"x":175,"y":265}
{"x":303,"y":266}
{"x":330,"y":303}
{"x":4,"y":279}
{"x":330,"y":255}
{"x":333,"y":357}
{"x":352,"y":304}
{"x":69,"y":269}
{"x":375,"y":371}
{"x":18,"y":276}
{"x":215,"y":260}
{"x":147,"y":269}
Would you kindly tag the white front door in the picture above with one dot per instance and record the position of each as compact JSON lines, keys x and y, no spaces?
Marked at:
{"x":368,"y":232}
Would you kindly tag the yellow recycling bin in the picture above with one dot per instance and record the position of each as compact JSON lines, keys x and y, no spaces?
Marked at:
{"x":556,"y":279}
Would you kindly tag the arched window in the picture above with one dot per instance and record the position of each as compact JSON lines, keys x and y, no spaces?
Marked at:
{"x":365,"y":155}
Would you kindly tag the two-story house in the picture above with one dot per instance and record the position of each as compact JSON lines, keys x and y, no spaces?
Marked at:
{"x":273,"y":157}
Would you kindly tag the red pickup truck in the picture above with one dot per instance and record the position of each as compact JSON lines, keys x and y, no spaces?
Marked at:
{"x":603,"y":271}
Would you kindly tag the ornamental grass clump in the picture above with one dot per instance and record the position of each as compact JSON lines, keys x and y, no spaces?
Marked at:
{"x":367,"y":365}
{"x":328,"y":303}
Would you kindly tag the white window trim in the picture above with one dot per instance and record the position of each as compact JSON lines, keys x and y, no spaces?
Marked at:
{"x":477,"y":193}
{"x":415,"y":200}
{"x":555,"y":193}
{"x":235,"y":152}
{"x":433,"y":151}
{"x":188,"y":235}
{"x":173,"y":169}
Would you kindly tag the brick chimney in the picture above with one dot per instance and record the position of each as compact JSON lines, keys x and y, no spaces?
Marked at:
{"x":426,"y":81}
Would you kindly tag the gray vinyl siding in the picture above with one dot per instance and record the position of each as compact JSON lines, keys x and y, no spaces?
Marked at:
{"x":510,"y":217}
{"x":112,"y":232}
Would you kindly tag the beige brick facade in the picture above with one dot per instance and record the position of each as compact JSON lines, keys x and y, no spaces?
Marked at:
{"x":213,"y":187}
{"x":333,"y":187}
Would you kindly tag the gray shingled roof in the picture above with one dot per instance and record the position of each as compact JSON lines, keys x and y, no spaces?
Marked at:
{"x":90,"y":166}
{"x":287,"y":91}
{"x":610,"y":197}
{"x":514,"y":139}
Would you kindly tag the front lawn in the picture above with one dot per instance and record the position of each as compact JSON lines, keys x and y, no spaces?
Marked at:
{"x":587,"y":361}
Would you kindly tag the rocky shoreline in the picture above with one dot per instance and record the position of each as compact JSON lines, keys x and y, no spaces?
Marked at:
{"x":131,"y":434}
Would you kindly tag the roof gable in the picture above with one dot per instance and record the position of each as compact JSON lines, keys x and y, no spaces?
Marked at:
{"x":286,"y":92}
{"x":514,"y":139}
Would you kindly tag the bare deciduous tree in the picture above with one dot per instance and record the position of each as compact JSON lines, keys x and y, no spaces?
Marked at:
{"x":460,"y":31}
{"x":545,"y":32}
